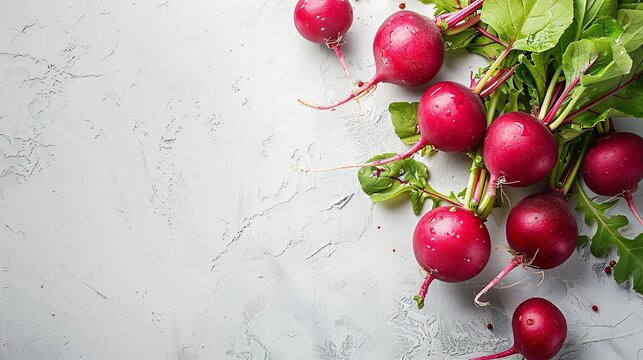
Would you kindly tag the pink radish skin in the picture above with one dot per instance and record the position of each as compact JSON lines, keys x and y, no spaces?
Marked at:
{"x":408,"y":51}
{"x":451,"y":244}
{"x":613,"y":166}
{"x":325,"y":22}
{"x":451,"y":117}
{"x":539,"y":330}
{"x":518,"y":150}
{"x":541,"y":231}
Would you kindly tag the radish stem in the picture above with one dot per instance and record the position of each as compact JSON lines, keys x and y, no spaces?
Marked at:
{"x":510,"y":351}
{"x":419,"y":298}
{"x":630,"y":203}
{"x":517,"y":260}
{"x":491,"y":69}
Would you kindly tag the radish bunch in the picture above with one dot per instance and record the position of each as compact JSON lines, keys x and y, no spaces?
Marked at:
{"x":538,"y":115}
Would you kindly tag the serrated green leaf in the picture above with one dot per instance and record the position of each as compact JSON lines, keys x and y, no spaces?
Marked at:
{"x":585,"y":13}
{"x":608,"y":234}
{"x":530,"y":25}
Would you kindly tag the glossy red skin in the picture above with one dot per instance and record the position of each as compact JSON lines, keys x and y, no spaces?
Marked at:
{"x":451,"y":117}
{"x":542,"y":222}
{"x":408,"y":49}
{"x":544,"y":338}
{"x":519,"y":147}
{"x":614,"y":164}
{"x":451,"y":244}
{"x":322,"y":21}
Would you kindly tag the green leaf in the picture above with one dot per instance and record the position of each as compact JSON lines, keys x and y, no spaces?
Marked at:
{"x":536,"y":65}
{"x":632,"y":21}
{"x":485,"y":47}
{"x":529,"y":25}
{"x":608,"y":234}
{"x":595,"y":60}
{"x":405,"y":121}
{"x":459,"y":40}
{"x":389,"y":181}
{"x":444,"y":6}
{"x":606,"y":27}
{"x":585,"y":12}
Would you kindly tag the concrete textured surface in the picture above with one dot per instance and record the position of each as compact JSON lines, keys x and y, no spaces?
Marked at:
{"x":150,"y":209}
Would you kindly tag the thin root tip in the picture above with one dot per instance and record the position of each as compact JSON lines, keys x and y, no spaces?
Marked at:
{"x":419,"y":301}
{"x":481,"y":303}
{"x":312,"y":106}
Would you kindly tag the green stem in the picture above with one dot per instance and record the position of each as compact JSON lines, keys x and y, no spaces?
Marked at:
{"x":559,"y":120}
{"x":486,"y":204}
{"x":491,"y":69}
{"x":550,"y":92}
{"x":567,"y":183}
{"x":473,"y":175}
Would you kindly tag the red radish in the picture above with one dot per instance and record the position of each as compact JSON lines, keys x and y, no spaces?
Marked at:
{"x":325,"y":22}
{"x":613,"y":166}
{"x":408,"y":51}
{"x":539,"y":329}
{"x":450,"y":117}
{"x":451,"y":244}
{"x":518,"y":150}
{"x":541,"y":232}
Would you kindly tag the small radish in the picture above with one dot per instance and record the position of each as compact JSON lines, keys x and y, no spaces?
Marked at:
{"x":408,"y":51}
{"x":450,"y":117}
{"x":325,"y":22}
{"x":541,"y":232}
{"x":613,"y":166}
{"x":539,"y":330}
{"x":451,"y":244}
{"x":518,"y":150}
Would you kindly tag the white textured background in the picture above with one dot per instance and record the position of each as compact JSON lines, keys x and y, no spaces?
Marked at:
{"x":149,"y":209}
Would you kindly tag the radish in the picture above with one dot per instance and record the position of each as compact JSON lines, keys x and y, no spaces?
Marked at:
{"x":539,"y":330}
{"x":613,"y":166}
{"x":325,"y":22}
{"x":451,"y":244}
{"x":408,"y":51}
{"x":450,"y":117}
{"x":518,"y":150}
{"x":541,"y":232}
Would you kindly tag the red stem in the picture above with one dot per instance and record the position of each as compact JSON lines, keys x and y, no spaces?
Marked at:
{"x":367,"y":85}
{"x":603,"y":97}
{"x":552,"y":112}
{"x":457,"y":16}
{"x":487,"y":34}
{"x":488,"y":90}
{"x":510,"y":351}
{"x":464,"y":25}
{"x":477,"y":193}
{"x":340,"y":57}
{"x":517,"y":260}
{"x":500,"y":72}
{"x":630,"y":203}
{"x":422,"y":294}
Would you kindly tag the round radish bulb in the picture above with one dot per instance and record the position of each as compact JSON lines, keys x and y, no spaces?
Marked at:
{"x":541,"y":231}
{"x":451,"y":117}
{"x":451,"y":244}
{"x":518,"y":150}
{"x":539,"y":330}
{"x":323,"y":21}
{"x":408,"y":51}
{"x":613,"y":166}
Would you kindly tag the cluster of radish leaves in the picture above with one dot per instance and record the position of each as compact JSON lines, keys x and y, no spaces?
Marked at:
{"x":575,"y":64}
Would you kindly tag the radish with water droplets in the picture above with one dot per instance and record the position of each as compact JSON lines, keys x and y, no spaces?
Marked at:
{"x":325,"y":22}
{"x":613,"y":166}
{"x":541,"y":232}
{"x":408,"y":51}
{"x":451,"y":244}
{"x":518,"y":150}
{"x":451,"y":118}
{"x":539,"y":330}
